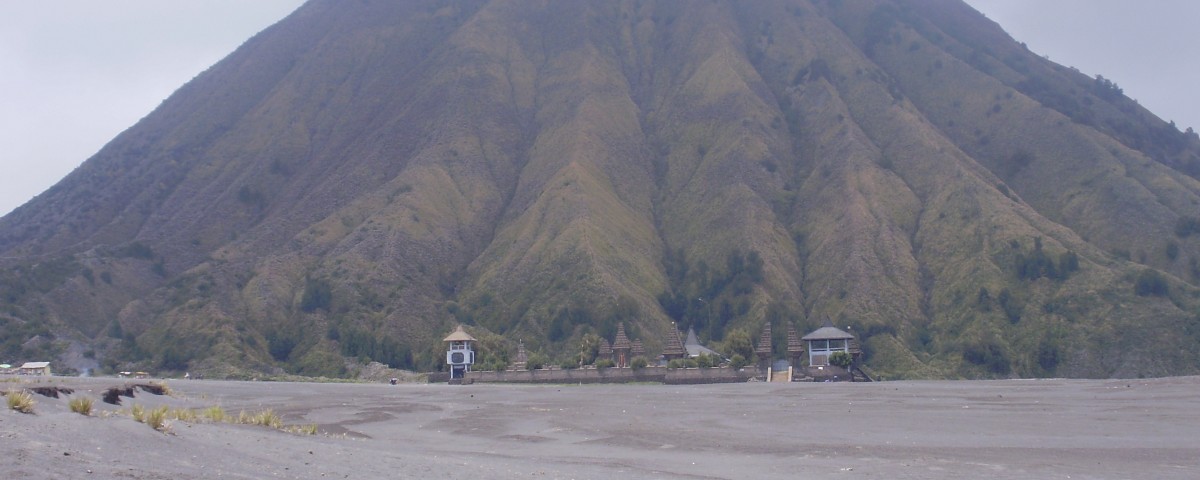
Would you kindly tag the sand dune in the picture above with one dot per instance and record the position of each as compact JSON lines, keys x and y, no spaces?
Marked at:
{"x":966,"y":429}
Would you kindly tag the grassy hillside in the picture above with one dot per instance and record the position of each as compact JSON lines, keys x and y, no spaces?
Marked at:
{"x":356,"y":180}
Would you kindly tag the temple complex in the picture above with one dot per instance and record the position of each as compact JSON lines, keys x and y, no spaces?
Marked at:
{"x":819,"y":348}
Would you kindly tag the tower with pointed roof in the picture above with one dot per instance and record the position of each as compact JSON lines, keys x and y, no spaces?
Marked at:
{"x":522,"y":361}
{"x":673,"y":347}
{"x":460,"y":353}
{"x":605,"y":351}
{"x":621,"y":347}
{"x":795,"y":347}
{"x":763,"y":350}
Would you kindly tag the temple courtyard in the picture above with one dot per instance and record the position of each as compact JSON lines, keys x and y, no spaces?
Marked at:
{"x":911,"y":429}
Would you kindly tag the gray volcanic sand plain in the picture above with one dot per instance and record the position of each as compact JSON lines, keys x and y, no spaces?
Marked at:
{"x":911,"y":429}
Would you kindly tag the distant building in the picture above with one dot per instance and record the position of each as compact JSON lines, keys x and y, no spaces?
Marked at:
{"x":522,"y":361}
{"x":824,"y":341}
{"x":35,"y":368}
{"x":763,"y":350}
{"x":622,"y":350}
{"x":693,"y":346}
{"x":621,"y":347}
{"x":674,"y":346}
{"x":460,"y":353}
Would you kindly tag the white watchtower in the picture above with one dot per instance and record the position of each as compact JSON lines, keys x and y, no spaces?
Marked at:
{"x":460,"y":354}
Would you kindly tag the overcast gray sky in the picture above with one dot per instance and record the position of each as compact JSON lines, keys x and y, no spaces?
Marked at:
{"x":75,"y":73}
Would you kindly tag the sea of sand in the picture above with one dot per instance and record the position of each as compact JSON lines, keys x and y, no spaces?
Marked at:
{"x":909,"y":429}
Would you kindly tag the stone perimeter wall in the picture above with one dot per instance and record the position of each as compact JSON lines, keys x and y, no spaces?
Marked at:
{"x":669,"y":376}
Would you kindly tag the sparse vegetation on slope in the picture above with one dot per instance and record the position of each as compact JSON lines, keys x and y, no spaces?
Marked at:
{"x":350,"y":184}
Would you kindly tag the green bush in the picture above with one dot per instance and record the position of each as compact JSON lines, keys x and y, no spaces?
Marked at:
{"x":536,"y":361}
{"x":638,"y":363}
{"x":318,"y":295}
{"x":988,"y":354}
{"x":605,"y":363}
{"x":841,"y":359}
{"x":1150,"y":282}
{"x":737,"y":361}
{"x":706,"y":361}
{"x":682,"y":363}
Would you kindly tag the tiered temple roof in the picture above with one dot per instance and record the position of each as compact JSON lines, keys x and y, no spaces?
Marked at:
{"x":674,"y":345}
{"x":764,"y":341}
{"x":622,"y":341}
{"x":794,"y":345}
{"x":637,"y":350}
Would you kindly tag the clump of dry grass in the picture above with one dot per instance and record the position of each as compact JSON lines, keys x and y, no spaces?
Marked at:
{"x":20,"y":401}
{"x":81,"y":405}
{"x":157,"y":419}
{"x":267,"y":418}
{"x":215,"y":413}
{"x":138,"y":412}
{"x":310,"y":429}
{"x":184,"y":415}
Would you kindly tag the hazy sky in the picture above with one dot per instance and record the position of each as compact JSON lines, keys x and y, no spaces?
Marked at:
{"x":75,"y":73}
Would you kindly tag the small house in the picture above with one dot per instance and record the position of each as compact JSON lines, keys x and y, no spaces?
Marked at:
{"x":825,"y":341}
{"x":35,"y":368}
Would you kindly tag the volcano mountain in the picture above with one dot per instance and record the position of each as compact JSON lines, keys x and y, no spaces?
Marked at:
{"x":362,"y":176}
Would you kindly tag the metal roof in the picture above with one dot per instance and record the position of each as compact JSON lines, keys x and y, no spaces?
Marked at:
{"x":693,"y":346}
{"x":827,"y":333}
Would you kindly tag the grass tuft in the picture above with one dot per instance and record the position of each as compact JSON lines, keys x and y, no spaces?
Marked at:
{"x":139,"y":413}
{"x":184,"y":415}
{"x":81,"y":405}
{"x":310,"y":429}
{"x":20,"y":401}
{"x":267,"y":418}
{"x":157,"y":419}
{"x":214,"y":413}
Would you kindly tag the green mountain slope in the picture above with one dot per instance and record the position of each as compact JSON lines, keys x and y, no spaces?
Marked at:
{"x":360,"y":177}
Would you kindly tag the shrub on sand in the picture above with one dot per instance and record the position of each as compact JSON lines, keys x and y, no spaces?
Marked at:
{"x":157,"y":419}
{"x":215,"y":414}
{"x":81,"y":405}
{"x":20,"y":401}
{"x":184,"y":415}
{"x":139,"y":413}
{"x":268,"y":418}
